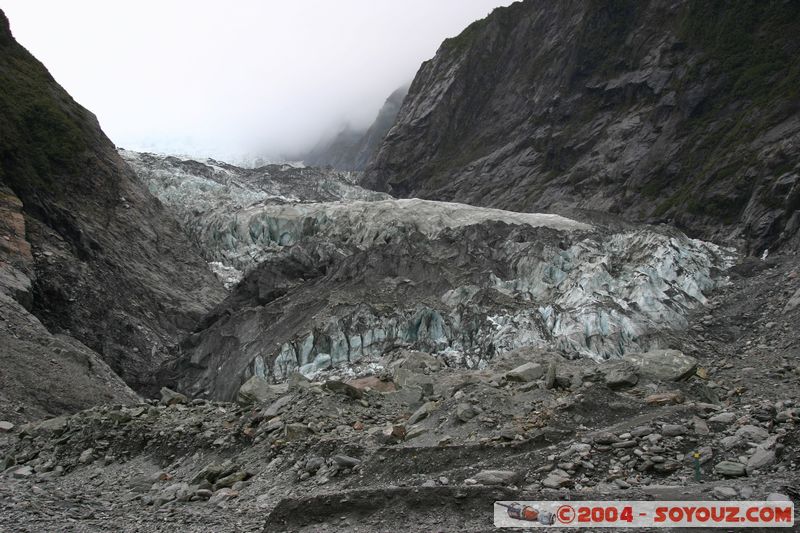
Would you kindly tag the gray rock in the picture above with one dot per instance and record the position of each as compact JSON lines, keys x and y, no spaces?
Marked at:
{"x":416,"y":431}
{"x":465,"y":412}
{"x":730,"y":469}
{"x":422,"y":413}
{"x":673,"y":430}
{"x":700,"y":426}
{"x":793,"y":303}
{"x":170,"y":397}
{"x":5,"y":426}
{"x":223,"y":495}
{"x":787,"y":415}
{"x":550,"y":377}
{"x":296,"y":431}
{"x":203,"y":494}
{"x":663,"y":365}
{"x":620,"y":374}
{"x":605,"y":437}
{"x":230,"y":479}
{"x":346,"y":461}
{"x":297,"y":381}
{"x":23,"y":472}
{"x":255,"y":390}
{"x":526,"y":373}
{"x":723,"y":418}
{"x":87,"y":456}
{"x":405,"y":378}
{"x":340,"y":387}
{"x":725,"y":493}
{"x":556,"y":480}
{"x":497,"y":477}
{"x":730,"y":442}
{"x":314,"y":464}
{"x":641,"y":431}
{"x":778,"y":497}
{"x":752,"y":433}
{"x":760,"y":459}
{"x":277,"y":406}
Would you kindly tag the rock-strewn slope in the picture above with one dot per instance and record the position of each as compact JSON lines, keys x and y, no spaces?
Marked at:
{"x":41,"y":374}
{"x":430,"y":446}
{"x":105,"y":264}
{"x":657,"y":110}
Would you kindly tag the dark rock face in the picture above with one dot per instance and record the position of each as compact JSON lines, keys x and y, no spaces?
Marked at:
{"x":352,"y":149}
{"x":107,"y":266}
{"x":657,"y":110}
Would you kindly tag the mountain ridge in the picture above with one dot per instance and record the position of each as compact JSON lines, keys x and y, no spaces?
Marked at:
{"x":656,"y":111}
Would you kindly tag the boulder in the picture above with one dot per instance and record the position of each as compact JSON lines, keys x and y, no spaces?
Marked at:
{"x":556,"y":480}
{"x":663,"y":365}
{"x":422,"y":413}
{"x":793,"y":303}
{"x":550,"y":376}
{"x":673,"y":430}
{"x":346,"y":461}
{"x":619,"y":374}
{"x":498,"y":477}
{"x":730,"y":469}
{"x":170,"y":397}
{"x":405,"y":378}
{"x":725,"y":493}
{"x":255,"y":390}
{"x":526,"y":373}
{"x":6,"y":426}
{"x":760,"y":459}
{"x":394,"y":433}
{"x":722,"y":418}
{"x":297,"y":381}
{"x":340,"y":387}
{"x":751,"y":433}
{"x":23,"y":472}
{"x":296,"y":431}
{"x":277,"y":406}
{"x":465,"y":412}
{"x":372,"y":383}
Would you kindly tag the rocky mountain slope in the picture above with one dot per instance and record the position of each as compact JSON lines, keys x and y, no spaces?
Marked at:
{"x":352,"y":149}
{"x":657,"y":110}
{"x":94,"y":270}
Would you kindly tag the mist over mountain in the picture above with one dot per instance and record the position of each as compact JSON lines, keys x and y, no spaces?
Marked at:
{"x":353,"y":148}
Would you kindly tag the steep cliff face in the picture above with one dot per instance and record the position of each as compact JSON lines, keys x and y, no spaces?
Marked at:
{"x":104,"y":263}
{"x":658,"y":110}
{"x":352,"y":149}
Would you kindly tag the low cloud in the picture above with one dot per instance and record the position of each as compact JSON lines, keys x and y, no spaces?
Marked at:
{"x":229,"y":79}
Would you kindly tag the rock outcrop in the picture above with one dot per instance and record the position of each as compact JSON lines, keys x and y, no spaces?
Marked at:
{"x":87,"y":250}
{"x":656,"y":110}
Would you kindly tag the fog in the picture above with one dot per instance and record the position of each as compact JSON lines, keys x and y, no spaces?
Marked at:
{"x":234,"y":79}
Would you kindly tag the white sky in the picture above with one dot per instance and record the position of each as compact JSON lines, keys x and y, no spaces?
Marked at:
{"x":231,"y":78}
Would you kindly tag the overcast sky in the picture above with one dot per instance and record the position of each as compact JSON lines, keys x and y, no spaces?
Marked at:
{"x":222,"y":79}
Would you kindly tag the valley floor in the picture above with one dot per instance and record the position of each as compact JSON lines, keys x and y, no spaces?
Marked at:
{"x":335,"y":458}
